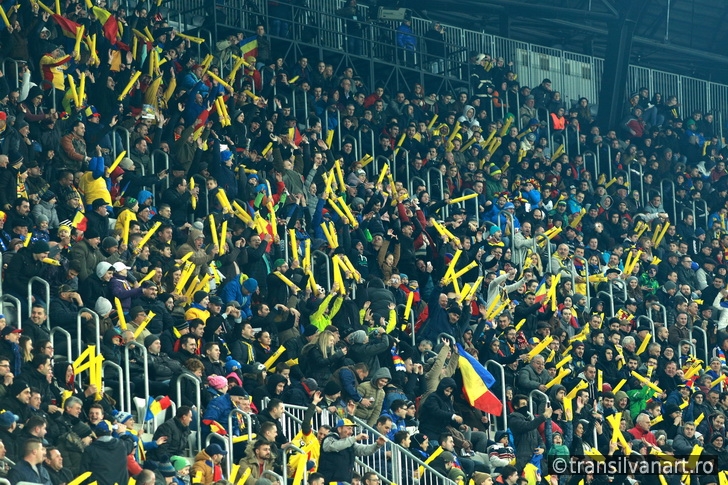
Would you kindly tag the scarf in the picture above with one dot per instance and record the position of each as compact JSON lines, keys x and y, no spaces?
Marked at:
{"x":398,"y":362}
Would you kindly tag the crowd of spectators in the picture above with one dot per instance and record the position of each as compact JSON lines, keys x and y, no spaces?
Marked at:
{"x":214,"y":268}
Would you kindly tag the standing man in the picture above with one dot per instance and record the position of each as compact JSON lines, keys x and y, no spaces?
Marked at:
{"x":435,"y":42}
{"x":525,"y":430}
{"x":105,"y":458}
{"x":340,"y":449}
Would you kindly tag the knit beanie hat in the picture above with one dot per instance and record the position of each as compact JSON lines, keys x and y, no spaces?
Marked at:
{"x":179,"y":462}
{"x":217,"y":382}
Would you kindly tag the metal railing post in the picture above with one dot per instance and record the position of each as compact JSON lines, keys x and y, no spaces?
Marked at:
{"x":127,"y":376}
{"x":328,"y":266}
{"x":285,"y":464}
{"x":69,"y":341}
{"x":530,"y":399}
{"x":504,"y":400}
{"x":18,"y":308}
{"x":47,"y":286}
{"x":79,"y":328}
{"x":198,"y":402}
{"x":113,"y":365}
{"x":226,"y":446}
{"x":704,"y":336}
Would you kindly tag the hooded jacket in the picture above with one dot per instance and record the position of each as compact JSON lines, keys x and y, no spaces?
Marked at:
{"x":525,"y":432}
{"x":105,"y":458}
{"x":369,"y":389}
{"x":369,"y":352}
{"x":437,"y":411}
{"x":199,"y":256}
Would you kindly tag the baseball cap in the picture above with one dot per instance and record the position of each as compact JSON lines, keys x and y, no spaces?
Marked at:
{"x":10,"y":329}
{"x":215,"y":449}
{"x":345,"y":422}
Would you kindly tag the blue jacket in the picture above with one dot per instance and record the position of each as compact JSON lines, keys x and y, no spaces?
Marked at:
{"x":406,"y":37}
{"x":437,"y":321}
{"x":233,"y":290}
{"x":218,"y":410}
{"x":398,"y":424}
{"x":349,"y":383}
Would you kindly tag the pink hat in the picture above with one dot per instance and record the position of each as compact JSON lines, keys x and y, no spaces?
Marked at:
{"x":236,"y":378}
{"x":217,"y":382}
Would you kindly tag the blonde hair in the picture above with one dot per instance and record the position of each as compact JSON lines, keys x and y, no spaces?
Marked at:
{"x":322,"y":341}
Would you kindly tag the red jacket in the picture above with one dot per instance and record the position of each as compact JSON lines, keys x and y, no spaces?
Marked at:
{"x":638,"y":434}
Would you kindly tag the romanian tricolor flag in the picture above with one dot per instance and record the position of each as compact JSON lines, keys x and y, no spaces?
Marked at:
{"x":156,"y":406}
{"x":249,"y":46}
{"x":215,"y":427}
{"x":110,"y":27}
{"x":79,"y":221}
{"x":69,"y":27}
{"x":476,"y":382}
{"x":721,"y":356}
{"x":541,"y":291}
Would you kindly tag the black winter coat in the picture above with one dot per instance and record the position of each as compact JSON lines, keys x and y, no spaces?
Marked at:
{"x":177,"y":436}
{"x":105,"y":458}
{"x":437,"y":411}
{"x":525,"y":432}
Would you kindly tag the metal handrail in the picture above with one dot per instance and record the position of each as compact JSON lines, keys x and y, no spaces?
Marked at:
{"x":198,"y":402}
{"x":353,"y":144}
{"x":608,"y":296}
{"x":126,"y":139}
{"x":476,"y":211}
{"x":327,"y":418}
{"x":399,"y":449}
{"x":328,"y":266}
{"x":504,"y":400}
{"x":429,"y":182}
{"x":411,"y":184}
{"x":165,"y":156}
{"x":704,"y":336}
{"x":530,"y":399}
{"x":18,"y":308}
{"x":16,"y":64}
{"x":69,"y":340}
{"x":248,"y":420}
{"x":127,"y":346}
{"x":79,"y":328}
{"x":226,"y":446}
{"x":706,"y":213}
{"x":636,"y":167}
{"x":361,"y":142}
{"x":378,"y":164}
{"x":400,"y":311}
{"x":669,"y":184}
{"x":588,"y":283}
{"x":589,"y":154}
{"x":650,"y":323}
{"x":47,"y":300}
{"x":285,"y":464}
{"x":662,"y":307}
{"x":114,"y":365}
